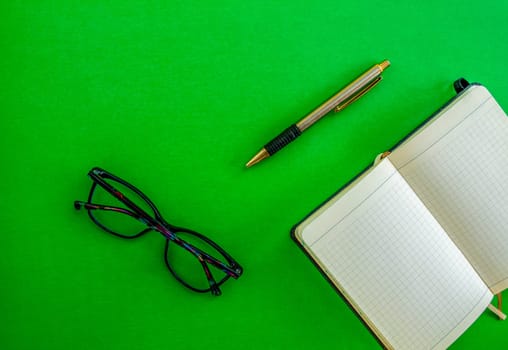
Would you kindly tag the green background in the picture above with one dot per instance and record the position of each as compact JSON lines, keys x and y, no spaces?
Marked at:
{"x":175,"y":97}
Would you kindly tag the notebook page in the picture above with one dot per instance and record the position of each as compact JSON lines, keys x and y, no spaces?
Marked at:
{"x":458,"y":165}
{"x":395,"y":264}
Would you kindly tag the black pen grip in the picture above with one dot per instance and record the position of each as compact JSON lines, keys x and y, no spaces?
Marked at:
{"x":283,"y":139}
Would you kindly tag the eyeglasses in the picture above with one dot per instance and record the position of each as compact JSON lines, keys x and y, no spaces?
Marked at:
{"x":187,"y":253}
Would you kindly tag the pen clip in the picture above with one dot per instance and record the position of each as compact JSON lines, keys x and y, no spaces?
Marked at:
{"x":355,"y":97}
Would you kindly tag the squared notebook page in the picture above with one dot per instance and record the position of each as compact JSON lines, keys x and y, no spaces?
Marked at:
{"x":457,"y":165}
{"x":394,"y":263}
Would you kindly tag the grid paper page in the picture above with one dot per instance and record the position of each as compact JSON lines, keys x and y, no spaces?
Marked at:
{"x":394,"y":261}
{"x":461,"y":178}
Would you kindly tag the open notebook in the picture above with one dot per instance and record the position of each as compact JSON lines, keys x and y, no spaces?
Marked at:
{"x":418,"y":244}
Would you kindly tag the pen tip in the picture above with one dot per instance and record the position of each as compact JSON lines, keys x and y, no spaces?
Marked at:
{"x":258,"y":157}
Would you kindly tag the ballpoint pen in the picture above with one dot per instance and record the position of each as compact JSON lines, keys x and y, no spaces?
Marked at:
{"x":337,"y":102}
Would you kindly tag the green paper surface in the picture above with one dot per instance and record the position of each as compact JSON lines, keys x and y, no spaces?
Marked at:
{"x":176,"y":97}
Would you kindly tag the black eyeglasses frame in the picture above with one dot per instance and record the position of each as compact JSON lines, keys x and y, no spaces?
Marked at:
{"x":159,"y":224}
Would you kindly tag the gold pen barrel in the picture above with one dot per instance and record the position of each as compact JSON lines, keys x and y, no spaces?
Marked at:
{"x":355,"y":87}
{"x":340,"y":100}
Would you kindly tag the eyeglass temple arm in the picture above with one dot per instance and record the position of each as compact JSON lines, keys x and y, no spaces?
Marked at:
{"x":235,"y":271}
{"x":92,"y":206}
{"x":202,"y":256}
